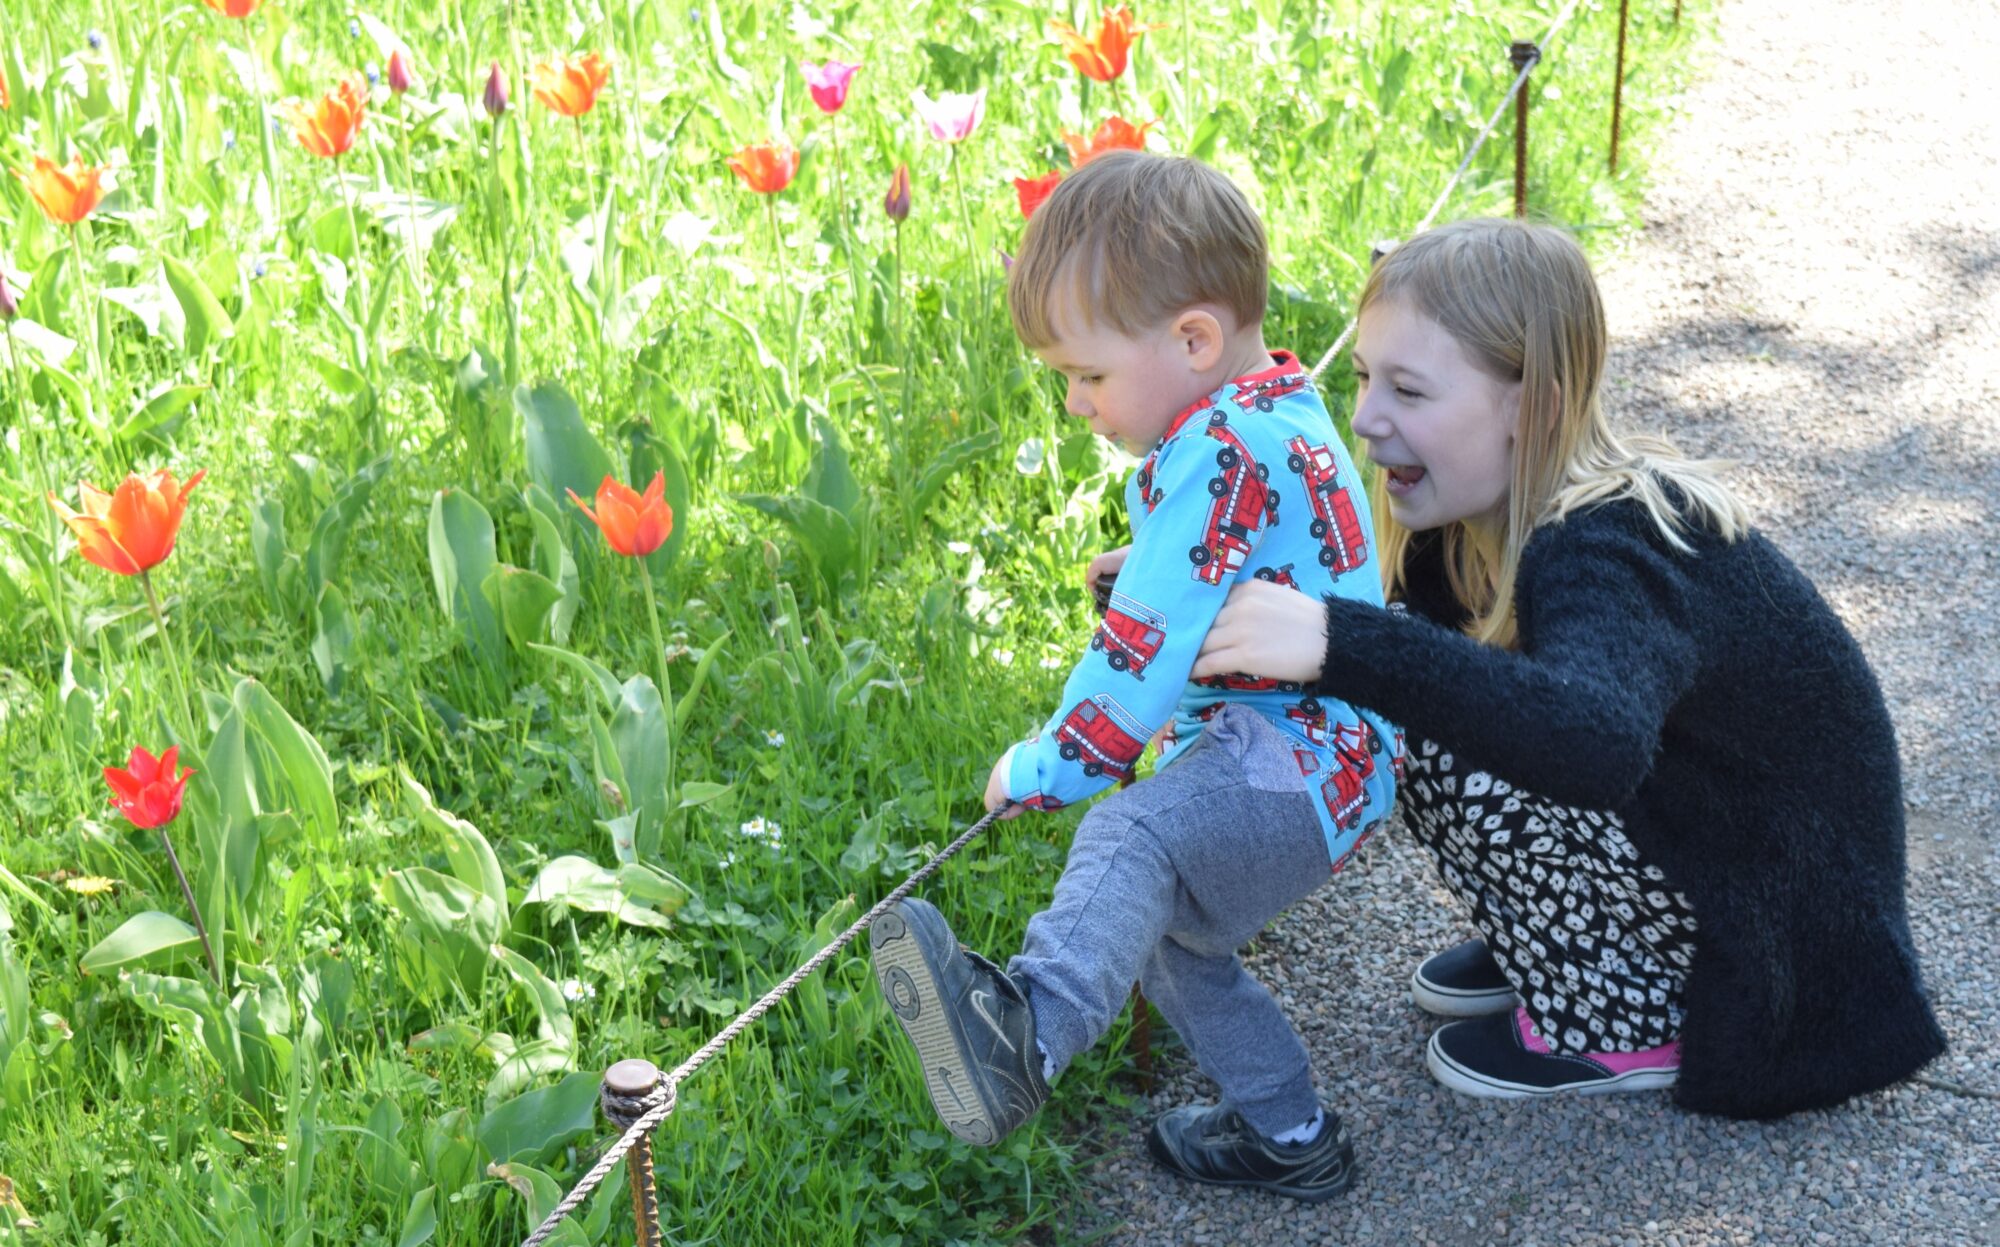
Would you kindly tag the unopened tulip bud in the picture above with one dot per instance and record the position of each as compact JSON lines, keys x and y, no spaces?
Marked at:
{"x":897,"y":202}
{"x":495,"y":98}
{"x":400,"y":79}
{"x":8,"y":308}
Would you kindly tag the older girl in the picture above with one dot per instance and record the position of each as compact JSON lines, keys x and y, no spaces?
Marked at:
{"x":1643,"y":751}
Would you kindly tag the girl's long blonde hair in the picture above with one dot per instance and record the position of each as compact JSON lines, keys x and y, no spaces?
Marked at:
{"x":1520,"y":300}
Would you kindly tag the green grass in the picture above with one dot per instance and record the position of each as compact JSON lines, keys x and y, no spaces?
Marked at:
{"x":895,"y":666}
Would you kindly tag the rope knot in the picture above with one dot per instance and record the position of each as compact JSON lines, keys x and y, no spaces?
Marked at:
{"x":633,"y":1089}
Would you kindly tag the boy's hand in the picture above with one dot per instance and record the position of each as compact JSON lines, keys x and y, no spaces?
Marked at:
{"x":996,"y":791}
{"x":1104,"y":567}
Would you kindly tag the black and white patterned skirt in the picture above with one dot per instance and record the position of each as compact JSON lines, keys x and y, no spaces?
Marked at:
{"x":1596,"y":941}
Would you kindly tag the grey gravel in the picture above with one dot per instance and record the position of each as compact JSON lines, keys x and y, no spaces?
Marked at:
{"x":1816,"y":295}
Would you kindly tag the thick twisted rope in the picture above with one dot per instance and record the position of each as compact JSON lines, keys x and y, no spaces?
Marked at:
{"x":1437,"y":205}
{"x":663,"y":1100}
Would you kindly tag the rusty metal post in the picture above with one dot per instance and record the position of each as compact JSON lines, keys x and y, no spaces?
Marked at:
{"x":1523,"y":54}
{"x":630,"y":1089}
{"x":1618,"y":82}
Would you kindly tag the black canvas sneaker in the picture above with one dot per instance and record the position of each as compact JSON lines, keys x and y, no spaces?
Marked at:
{"x":970,"y":1021}
{"x":1462,"y":982}
{"x":1212,"y":1143}
{"x":1504,"y":1056}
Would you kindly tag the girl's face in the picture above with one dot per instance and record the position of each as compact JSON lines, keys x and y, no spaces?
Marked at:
{"x":1439,"y":426}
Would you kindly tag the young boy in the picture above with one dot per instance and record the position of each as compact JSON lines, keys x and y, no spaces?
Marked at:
{"x":1142,"y":280}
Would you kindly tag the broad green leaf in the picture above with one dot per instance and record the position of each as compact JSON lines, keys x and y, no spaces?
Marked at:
{"x":592,"y":671}
{"x":274,"y":562}
{"x":161,"y":412}
{"x":461,"y":545}
{"x":562,"y":453}
{"x":551,"y":1010}
{"x":700,"y":792}
{"x":329,"y":534}
{"x":420,"y":1222}
{"x":308,"y":776}
{"x":532,"y":1125}
{"x":697,"y":682}
{"x":643,"y":739}
{"x":581,"y":884}
{"x":150,"y":938}
{"x":203,"y":314}
{"x":628,"y":311}
{"x":471,"y":857}
{"x":524,"y":600}
{"x":333,"y":638}
{"x":552,"y":558}
{"x":954,"y":459}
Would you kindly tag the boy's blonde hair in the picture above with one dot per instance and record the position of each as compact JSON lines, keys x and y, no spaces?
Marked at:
{"x":1520,"y":300}
{"x":1136,"y":237}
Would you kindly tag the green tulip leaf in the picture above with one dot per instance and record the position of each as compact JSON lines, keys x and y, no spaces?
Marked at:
{"x":147,"y":939}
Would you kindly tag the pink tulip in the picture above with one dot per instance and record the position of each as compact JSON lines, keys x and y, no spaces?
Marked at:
{"x":828,"y":83}
{"x":953,"y":116}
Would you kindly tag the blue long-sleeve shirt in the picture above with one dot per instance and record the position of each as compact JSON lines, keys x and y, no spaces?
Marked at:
{"x":1250,"y":481}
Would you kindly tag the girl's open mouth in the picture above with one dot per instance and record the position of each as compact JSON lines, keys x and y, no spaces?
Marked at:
{"x":1402,"y":479}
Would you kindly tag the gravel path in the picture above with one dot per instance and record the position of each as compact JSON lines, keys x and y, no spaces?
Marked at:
{"x":1816,"y":295}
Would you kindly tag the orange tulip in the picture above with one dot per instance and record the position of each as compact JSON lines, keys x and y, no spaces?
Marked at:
{"x":234,"y":8}
{"x":132,"y":530}
{"x":329,"y":127}
{"x":1032,"y":191}
{"x":766,"y":168}
{"x":569,"y":87}
{"x":1112,"y":134}
{"x":1102,"y":57}
{"x":633,"y":524}
{"x":6,"y":100}
{"x":69,"y":194}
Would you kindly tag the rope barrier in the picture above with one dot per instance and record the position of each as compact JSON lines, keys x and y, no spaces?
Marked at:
{"x":637,"y":1098}
{"x":659,"y":1104}
{"x":1479,"y":141}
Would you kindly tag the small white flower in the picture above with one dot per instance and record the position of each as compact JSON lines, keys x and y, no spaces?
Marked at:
{"x":728,"y":860}
{"x":1052,"y":664}
{"x":576,"y":991}
{"x":1005,"y":657}
{"x":754,"y":828}
{"x":773,"y":739}
{"x":958,"y":547}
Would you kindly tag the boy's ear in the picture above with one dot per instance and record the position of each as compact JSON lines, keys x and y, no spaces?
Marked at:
{"x":1200,"y":335}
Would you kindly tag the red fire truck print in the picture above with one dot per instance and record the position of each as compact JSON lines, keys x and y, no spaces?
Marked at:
{"x":1264,"y":395}
{"x":1396,"y":758}
{"x":1277,"y":576}
{"x":1343,"y":789}
{"x":1038,"y":801}
{"x":1242,"y":503}
{"x":1239,"y":682}
{"x":1354,"y":848}
{"x":1359,"y":742}
{"x":1104,"y":734}
{"x":1310,"y":717}
{"x":1130,"y":636}
{"x":1335,"y":523}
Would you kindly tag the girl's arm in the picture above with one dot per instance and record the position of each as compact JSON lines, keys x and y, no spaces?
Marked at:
{"x":1575,"y":715}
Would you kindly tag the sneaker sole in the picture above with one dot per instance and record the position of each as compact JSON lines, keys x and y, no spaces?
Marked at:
{"x":904,"y":974}
{"x":1310,"y":1195}
{"x":1450,"y":1003}
{"x":1485,"y":1086}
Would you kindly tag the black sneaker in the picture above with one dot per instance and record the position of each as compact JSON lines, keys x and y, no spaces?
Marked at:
{"x":1505,"y":1057}
{"x":1462,"y":982}
{"x":1212,"y":1143}
{"x":971,"y":1022}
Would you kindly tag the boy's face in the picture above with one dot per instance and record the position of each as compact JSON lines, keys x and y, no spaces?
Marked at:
{"x":1129,"y":389}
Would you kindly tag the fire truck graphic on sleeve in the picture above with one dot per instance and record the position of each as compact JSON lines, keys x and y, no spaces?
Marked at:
{"x":1242,"y":504}
{"x":1130,"y":636}
{"x":1103,"y":735}
{"x":1343,"y":542}
{"x":1264,"y":395}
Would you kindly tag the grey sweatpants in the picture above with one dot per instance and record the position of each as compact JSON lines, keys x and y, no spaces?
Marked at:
{"x":1165,"y":881}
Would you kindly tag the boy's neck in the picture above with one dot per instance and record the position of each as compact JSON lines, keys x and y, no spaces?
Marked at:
{"x":1246,"y":354}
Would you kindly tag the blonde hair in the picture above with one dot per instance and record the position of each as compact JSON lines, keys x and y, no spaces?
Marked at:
{"x":1520,"y":300}
{"x":1137,"y":237}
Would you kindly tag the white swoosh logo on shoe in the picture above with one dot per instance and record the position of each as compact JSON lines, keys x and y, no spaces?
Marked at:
{"x":982,"y":1003}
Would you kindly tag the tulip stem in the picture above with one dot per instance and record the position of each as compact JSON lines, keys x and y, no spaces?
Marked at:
{"x":174,"y":661}
{"x":200,"y":927}
{"x":789,"y":323}
{"x":846,"y":234}
{"x":84,"y":310}
{"x":42,"y":453}
{"x":660,"y":658}
{"x":361,"y":342}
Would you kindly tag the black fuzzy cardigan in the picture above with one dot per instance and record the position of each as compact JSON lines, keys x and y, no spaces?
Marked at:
{"x":1717,"y":704}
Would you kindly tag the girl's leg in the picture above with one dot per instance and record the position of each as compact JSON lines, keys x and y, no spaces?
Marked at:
{"x":1596,"y":942}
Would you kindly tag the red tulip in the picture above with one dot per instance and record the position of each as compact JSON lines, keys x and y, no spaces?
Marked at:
{"x":132,"y":530}
{"x":766,"y":168}
{"x":494,"y":98}
{"x":67,"y":194}
{"x":9,"y":309}
{"x":234,"y":8}
{"x":328,"y":127}
{"x":400,"y":78}
{"x":1032,"y":191}
{"x":633,"y":524}
{"x":1103,"y":56}
{"x":146,"y":790}
{"x":1112,"y":134}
